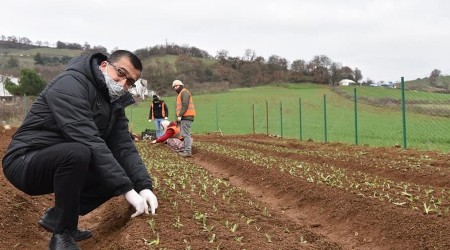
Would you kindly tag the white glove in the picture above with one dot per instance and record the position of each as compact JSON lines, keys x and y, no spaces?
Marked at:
{"x":179,"y":118}
{"x":137,"y":202}
{"x":166,"y":118}
{"x":149,"y":120}
{"x":154,"y":141}
{"x":150,"y":199}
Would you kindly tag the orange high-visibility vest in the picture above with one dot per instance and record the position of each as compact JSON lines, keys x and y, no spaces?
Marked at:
{"x":176,"y":130}
{"x":190,"y":110}
{"x":163,"y":111}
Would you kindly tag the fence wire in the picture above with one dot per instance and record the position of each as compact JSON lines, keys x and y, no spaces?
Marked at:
{"x":373,"y":116}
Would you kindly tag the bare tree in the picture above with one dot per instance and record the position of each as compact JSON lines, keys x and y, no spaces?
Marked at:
{"x":86,"y":46}
{"x":249,"y":55}
{"x":25,"y":40}
{"x":347,"y":73}
{"x":358,"y":75}
{"x":434,"y":76}
{"x":12,"y":39}
{"x":318,"y":67}
{"x":435,"y":73}
{"x":222,"y":56}
{"x":299,"y":66}
{"x":335,"y":73}
{"x":279,"y":63}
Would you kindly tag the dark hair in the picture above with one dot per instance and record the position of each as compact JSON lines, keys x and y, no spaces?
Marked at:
{"x":116,"y":55}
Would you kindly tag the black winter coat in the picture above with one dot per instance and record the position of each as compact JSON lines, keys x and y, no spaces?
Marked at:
{"x":75,"y":107}
{"x":156,"y":110}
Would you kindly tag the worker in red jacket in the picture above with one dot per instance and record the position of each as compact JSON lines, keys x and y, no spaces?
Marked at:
{"x":171,"y":136}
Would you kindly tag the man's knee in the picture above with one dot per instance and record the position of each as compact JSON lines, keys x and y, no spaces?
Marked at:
{"x":79,"y":153}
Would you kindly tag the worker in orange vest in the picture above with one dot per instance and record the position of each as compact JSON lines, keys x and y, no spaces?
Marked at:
{"x":158,"y":113}
{"x":185,"y":113}
{"x":171,"y":136}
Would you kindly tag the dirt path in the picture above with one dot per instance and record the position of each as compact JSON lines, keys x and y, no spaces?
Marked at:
{"x":343,"y":217}
{"x":287,"y":204}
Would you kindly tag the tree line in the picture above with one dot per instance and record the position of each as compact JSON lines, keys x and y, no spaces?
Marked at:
{"x":197,"y":66}
{"x":15,"y":42}
{"x":194,"y":65}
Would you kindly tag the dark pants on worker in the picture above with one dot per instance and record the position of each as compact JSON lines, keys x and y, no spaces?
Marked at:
{"x":64,"y":169}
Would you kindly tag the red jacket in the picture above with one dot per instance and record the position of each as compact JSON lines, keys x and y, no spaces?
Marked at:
{"x":171,"y":132}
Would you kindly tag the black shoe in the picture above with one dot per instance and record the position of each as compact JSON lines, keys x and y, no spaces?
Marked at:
{"x":48,"y":221}
{"x":63,"y":241}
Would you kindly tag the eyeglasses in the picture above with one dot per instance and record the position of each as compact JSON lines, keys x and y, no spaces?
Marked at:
{"x":121,"y":73}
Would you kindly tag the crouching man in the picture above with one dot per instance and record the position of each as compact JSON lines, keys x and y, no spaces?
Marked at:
{"x":75,"y":143}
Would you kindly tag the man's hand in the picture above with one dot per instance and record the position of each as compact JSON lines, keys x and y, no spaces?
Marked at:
{"x":137,"y":201}
{"x":154,"y":141}
{"x":179,"y":118}
{"x":150,"y":199}
{"x":149,"y":120}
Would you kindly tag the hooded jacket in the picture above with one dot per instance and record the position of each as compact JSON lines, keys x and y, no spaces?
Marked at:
{"x":76,"y":107}
{"x":158,"y":109}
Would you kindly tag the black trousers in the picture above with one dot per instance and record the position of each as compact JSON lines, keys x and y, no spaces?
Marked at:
{"x":64,"y":169}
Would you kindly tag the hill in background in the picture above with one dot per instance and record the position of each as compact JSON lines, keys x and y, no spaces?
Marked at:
{"x":441,"y":84}
{"x":196,"y":67}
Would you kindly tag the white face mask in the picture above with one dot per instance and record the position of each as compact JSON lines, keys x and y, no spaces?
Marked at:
{"x":115,"y":90}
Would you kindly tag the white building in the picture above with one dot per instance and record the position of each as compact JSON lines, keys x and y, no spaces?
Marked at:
{"x":140,"y":89}
{"x":346,"y":82}
{"x":3,"y":91}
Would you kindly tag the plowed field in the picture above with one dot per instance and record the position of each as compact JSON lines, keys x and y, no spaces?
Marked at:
{"x":261,"y":192}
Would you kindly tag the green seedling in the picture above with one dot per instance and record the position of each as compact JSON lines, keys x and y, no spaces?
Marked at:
{"x":212,"y":238}
{"x":177,"y":223}
{"x":268,"y":237}
{"x":152,"y":242}
{"x":152,"y":224}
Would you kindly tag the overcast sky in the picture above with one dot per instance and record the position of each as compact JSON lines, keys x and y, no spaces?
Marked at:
{"x":385,"y":39}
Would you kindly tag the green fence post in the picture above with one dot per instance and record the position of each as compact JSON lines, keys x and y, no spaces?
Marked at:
{"x":300,"y":117}
{"x":217,"y":117}
{"x":281,"y":119}
{"x":356,"y":116}
{"x":403,"y":113}
{"x":325,"y":116}
{"x":267,"y":117}
{"x":253,"y":112}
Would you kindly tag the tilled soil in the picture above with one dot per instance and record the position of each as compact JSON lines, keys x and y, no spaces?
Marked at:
{"x":286,"y":195}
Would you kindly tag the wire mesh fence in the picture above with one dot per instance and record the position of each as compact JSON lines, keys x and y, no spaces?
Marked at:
{"x":373,"y":116}
{"x":13,"y":109}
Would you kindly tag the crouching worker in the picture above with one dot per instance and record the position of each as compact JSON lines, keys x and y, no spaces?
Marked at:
{"x":75,"y":143}
{"x":171,"y":136}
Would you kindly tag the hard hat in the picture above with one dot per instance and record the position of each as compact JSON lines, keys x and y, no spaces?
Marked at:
{"x":177,"y":83}
{"x":164,"y":124}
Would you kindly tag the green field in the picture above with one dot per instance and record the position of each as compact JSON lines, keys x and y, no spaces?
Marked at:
{"x":26,"y":57}
{"x":412,"y":95}
{"x":243,"y":111}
